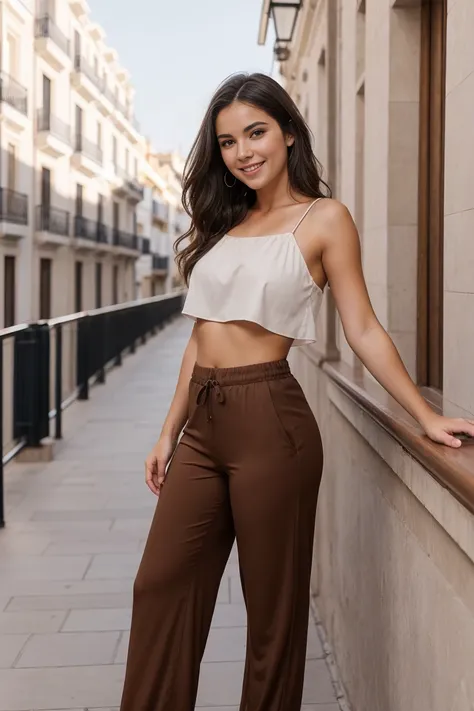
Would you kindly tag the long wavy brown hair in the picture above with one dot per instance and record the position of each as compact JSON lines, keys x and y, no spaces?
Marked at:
{"x":213,"y":207}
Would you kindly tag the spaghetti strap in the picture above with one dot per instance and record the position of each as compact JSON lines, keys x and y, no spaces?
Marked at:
{"x":305,"y":213}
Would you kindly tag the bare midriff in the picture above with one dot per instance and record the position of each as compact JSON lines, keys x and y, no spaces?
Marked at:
{"x":237,"y":343}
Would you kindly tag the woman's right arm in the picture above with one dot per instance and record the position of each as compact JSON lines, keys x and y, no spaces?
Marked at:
{"x":156,"y":462}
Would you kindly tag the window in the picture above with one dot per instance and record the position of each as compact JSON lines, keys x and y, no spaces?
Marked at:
{"x":98,"y":285}
{"x":45,"y":187}
{"x":114,"y":150}
{"x":45,"y":288}
{"x":9,"y":292}
{"x":12,"y":56}
{"x":99,"y":134}
{"x":115,"y":276}
{"x":100,"y":210}
{"x":79,"y":199}
{"x":431,"y":195}
{"x":135,"y":167}
{"x":78,"y":287}
{"x":127,"y":160}
{"x":77,"y":44}
{"x":11,"y":167}
{"x":46,"y":100}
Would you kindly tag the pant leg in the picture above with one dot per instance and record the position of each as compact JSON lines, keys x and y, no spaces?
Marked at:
{"x":274,"y":483}
{"x":178,"y":580}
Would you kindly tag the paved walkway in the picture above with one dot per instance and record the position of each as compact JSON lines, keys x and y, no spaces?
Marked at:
{"x":68,"y":556}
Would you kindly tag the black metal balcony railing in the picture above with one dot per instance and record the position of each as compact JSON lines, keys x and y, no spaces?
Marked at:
{"x":45,"y":27}
{"x":46,"y":121}
{"x":125,"y":239}
{"x":52,"y":219}
{"x":160,"y":263}
{"x":13,"y":93}
{"x":83,"y":66}
{"x":160,"y":211}
{"x":13,"y":206}
{"x":85,"y":228}
{"x":86,"y":343}
{"x":132,"y":184}
{"x":102,"y":233}
{"x":145,"y":245}
{"x":89,"y":149}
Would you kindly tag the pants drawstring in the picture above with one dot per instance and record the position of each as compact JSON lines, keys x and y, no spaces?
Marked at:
{"x":205,"y":393}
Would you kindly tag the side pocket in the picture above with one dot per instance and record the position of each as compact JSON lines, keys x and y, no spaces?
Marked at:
{"x":279,"y":418}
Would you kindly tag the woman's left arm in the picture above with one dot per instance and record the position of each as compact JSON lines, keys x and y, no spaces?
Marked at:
{"x":341,"y":258}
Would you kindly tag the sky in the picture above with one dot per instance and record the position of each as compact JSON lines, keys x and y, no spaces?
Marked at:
{"x":177,"y":53}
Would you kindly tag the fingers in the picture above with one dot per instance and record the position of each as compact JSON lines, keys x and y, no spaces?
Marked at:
{"x":150,"y":469}
{"x":160,"y":474}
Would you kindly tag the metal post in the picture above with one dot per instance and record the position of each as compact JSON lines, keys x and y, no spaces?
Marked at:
{"x":82,"y":359}
{"x":59,"y":383}
{"x":2,"y":511}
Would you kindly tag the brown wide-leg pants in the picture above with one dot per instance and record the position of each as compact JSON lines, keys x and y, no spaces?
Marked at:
{"x":248,"y":467}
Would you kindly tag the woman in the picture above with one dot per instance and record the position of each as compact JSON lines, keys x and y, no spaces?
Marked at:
{"x":265,"y":240}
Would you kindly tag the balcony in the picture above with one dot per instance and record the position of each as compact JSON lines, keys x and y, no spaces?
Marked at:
{"x":128,"y":187}
{"x":89,"y":234}
{"x":51,"y":43}
{"x":126,"y":240}
{"x":53,"y":134}
{"x":87,"y":156}
{"x":14,"y":101}
{"x":52,"y":225}
{"x":159,"y":264}
{"x":13,"y":214}
{"x":85,"y":80}
{"x":160,"y":211}
{"x":79,"y":7}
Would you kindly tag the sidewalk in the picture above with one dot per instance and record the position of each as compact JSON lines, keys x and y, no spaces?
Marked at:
{"x":72,"y":543}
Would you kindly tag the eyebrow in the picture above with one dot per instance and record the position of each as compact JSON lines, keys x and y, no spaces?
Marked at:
{"x":246,"y":129}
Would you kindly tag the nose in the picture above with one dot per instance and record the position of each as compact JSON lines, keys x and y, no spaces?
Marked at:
{"x":244,"y":151}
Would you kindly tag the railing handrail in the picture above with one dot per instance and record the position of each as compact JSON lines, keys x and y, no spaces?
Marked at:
{"x":14,"y":82}
{"x":13,"y":330}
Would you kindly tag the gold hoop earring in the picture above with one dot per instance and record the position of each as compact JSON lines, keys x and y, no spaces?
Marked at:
{"x":226,"y":183}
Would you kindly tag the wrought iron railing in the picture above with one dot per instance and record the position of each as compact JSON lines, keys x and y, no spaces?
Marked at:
{"x":160,"y":263}
{"x":46,"y":27}
{"x":13,"y":93}
{"x":52,"y":219}
{"x":13,"y":206}
{"x":90,"y":150}
{"x":125,"y":239}
{"x":46,"y":121}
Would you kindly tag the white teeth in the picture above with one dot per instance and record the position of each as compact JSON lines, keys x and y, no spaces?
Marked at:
{"x":252,"y":169}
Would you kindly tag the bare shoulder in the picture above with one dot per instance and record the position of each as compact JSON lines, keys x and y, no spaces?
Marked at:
{"x":331,"y":217}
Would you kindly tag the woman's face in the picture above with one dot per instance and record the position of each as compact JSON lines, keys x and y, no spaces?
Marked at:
{"x":252,"y":144}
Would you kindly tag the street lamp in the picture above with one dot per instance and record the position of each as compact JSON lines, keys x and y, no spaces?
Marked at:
{"x":285,"y":14}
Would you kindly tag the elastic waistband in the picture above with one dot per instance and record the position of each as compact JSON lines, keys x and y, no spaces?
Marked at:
{"x":243,"y":373}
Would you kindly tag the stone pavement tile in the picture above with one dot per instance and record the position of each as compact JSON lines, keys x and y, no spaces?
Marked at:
{"x":229,"y":616}
{"x":88,"y":515}
{"x":321,"y":707}
{"x":42,"y":568}
{"x":122,"y":649}
{"x":92,"y":547}
{"x":69,"y":649}
{"x":64,"y":587}
{"x":31,"y":622}
{"x":220,"y":683}
{"x":226,"y":644}
{"x":114,"y":566}
{"x":223,"y":596}
{"x":98,"y":620}
{"x":61,"y":688}
{"x":70,"y":602}
{"x":10,"y":646}
{"x":236,"y":594}
{"x":139,"y":526}
{"x":318,"y":688}
{"x":4,"y":602}
{"x":314,"y":649}
{"x":60,"y":526}
{"x":14,"y":543}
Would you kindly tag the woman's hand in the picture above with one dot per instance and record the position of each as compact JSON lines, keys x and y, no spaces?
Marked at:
{"x":157,"y":461}
{"x":441,"y":429}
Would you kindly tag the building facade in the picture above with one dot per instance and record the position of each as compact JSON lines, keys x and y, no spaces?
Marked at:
{"x":71,"y":160}
{"x":387,"y":88}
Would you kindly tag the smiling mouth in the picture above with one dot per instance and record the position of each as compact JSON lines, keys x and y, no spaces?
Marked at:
{"x":248,"y":170}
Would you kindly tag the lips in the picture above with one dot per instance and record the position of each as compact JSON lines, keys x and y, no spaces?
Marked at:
{"x":251,"y":169}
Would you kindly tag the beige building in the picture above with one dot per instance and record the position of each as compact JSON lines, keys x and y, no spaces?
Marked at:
{"x":71,"y":157}
{"x":387,"y":87}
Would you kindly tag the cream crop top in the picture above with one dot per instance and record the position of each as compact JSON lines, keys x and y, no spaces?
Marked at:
{"x":264,"y":280}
